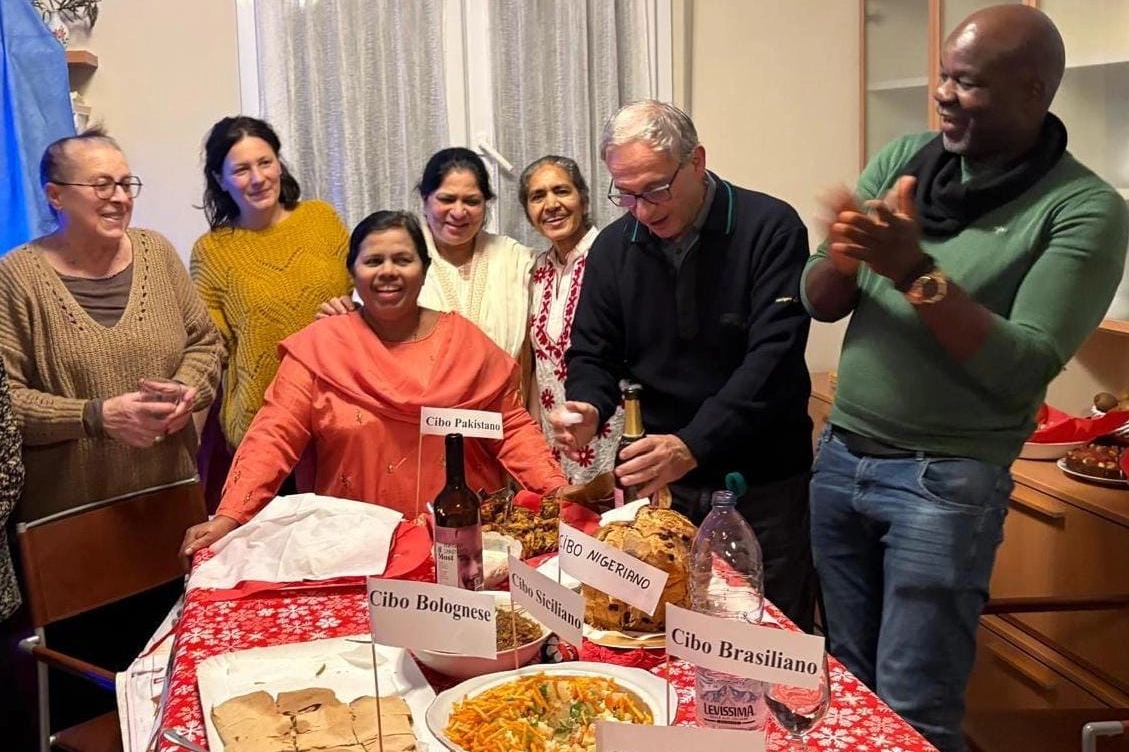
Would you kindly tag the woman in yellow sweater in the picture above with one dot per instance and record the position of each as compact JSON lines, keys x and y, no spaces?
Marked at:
{"x":267,"y":263}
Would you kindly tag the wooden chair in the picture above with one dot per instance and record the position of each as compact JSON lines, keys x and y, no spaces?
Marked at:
{"x":84,"y":558}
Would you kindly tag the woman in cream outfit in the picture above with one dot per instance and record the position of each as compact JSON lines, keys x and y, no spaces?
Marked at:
{"x":482,"y":276}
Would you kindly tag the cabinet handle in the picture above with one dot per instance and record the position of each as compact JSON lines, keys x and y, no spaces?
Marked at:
{"x":1035,"y":674}
{"x":1026,"y":501}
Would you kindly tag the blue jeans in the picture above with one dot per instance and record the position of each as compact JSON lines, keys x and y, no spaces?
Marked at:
{"x":904,"y":549}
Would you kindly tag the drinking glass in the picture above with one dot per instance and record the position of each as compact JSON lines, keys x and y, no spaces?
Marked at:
{"x":161,"y":390}
{"x":798,"y":710}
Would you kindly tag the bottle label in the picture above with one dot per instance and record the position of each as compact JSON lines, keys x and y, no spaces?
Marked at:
{"x":458,"y":556}
{"x":729,"y":702}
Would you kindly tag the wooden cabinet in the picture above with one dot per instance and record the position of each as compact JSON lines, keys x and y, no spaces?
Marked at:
{"x":1061,"y":538}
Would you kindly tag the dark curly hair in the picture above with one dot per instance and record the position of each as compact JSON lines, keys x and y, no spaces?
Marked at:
{"x":219,"y":207}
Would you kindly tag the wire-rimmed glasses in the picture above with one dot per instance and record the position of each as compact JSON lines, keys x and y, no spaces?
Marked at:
{"x":658,"y":195}
{"x":104,"y":188}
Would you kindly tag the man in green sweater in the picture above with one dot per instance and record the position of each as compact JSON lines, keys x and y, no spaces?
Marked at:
{"x":973,"y":264}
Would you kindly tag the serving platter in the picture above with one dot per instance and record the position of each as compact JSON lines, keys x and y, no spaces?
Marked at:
{"x":1095,"y":479}
{"x":343,"y":664}
{"x":653,"y":691}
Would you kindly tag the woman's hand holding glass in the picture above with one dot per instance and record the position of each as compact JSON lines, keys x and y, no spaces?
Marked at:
{"x":134,"y":420}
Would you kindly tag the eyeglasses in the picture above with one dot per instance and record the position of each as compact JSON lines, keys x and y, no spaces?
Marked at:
{"x":659,"y":195}
{"x":104,"y":188}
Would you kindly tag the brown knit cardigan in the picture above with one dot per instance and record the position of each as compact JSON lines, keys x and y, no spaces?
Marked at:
{"x":58,"y":358}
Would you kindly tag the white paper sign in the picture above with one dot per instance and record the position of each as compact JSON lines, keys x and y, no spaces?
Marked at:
{"x":634,"y":737}
{"x":766,"y":653}
{"x":610,"y":570}
{"x":426,"y":616}
{"x":444,"y":420}
{"x":555,"y":606}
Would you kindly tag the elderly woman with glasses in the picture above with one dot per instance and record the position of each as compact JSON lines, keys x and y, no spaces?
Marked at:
{"x":107,"y":346}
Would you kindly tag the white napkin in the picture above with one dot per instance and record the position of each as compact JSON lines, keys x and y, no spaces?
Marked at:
{"x":626,"y":513}
{"x":302,"y":537}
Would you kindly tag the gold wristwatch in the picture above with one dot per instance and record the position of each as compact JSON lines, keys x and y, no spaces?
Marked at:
{"x":929,"y":288}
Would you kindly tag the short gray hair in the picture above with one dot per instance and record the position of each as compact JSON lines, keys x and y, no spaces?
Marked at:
{"x":660,"y":124}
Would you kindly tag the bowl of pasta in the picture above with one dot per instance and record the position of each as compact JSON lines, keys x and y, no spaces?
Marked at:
{"x":552,"y":708}
{"x":520,"y":638}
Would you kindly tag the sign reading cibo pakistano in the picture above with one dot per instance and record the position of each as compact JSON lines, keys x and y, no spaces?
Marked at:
{"x":743,"y":649}
{"x":554,"y":605}
{"x":426,"y":616}
{"x":442,"y":421}
{"x":615,"y":572}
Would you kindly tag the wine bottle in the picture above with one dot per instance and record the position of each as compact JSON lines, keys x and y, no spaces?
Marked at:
{"x":632,"y":432}
{"x":458,"y":527}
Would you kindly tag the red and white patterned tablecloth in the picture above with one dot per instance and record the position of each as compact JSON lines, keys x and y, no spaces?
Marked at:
{"x":857,"y":720}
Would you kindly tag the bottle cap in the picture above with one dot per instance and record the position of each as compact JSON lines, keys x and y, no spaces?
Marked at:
{"x":735,"y":483}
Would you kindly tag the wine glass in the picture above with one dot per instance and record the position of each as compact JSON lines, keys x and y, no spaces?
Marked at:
{"x":798,"y":710}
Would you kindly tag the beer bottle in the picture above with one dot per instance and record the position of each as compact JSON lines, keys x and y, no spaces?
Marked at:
{"x":632,"y":432}
{"x":458,"y":527}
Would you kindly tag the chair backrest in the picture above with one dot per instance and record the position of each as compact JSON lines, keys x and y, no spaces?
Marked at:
{"x":106,"y":551}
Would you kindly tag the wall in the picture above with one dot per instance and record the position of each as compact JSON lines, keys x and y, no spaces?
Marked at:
{"x":773,"y":91}
{"x":166,"y":72}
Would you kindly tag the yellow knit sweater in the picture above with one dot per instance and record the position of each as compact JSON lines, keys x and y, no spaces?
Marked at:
{"x":261,"y":286}
{"x":58,"y":358}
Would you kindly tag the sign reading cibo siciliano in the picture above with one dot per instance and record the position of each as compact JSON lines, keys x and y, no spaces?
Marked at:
{"x":615,"y":572}
{"x":426,"y":616}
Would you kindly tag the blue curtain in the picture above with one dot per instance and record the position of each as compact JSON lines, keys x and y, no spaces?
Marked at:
{"x":35,"y":110}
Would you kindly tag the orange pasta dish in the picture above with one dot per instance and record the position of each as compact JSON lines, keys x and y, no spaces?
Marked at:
{"x":541,"y":713}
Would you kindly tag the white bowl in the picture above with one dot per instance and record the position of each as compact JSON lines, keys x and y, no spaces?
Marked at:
{"x":655,"y":693}
{"x":460,"y":666}
{"x":1036,"y":451}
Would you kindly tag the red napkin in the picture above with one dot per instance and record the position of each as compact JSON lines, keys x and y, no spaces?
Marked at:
{"x":575,"y":515}
{"x":1056,"y":427}
{"x":411,"y":547}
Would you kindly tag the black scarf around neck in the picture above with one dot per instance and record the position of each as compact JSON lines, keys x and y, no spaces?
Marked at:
{"x":945,"y":205}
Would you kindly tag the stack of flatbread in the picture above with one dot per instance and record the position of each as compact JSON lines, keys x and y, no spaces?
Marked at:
{"x":312,"y":720}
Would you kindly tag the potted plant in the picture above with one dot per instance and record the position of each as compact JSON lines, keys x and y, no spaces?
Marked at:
{"x":58,"y":13}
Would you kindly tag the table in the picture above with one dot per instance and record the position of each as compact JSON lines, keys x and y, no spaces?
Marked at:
{"x":856,"y":722}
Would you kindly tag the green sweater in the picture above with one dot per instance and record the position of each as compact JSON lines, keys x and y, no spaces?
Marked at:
{"x":1046,"y":264}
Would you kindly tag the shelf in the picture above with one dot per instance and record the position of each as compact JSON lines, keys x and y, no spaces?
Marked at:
{"x":1114,"y":326}
{"x":82,"y":59}
{"x":896,"y":84}
{"x":1098,"y":62}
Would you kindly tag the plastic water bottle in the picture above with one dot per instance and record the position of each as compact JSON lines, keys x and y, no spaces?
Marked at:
{"x":727,"y":580}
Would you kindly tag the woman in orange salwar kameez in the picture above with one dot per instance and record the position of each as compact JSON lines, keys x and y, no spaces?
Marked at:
{"x":350,"y":389}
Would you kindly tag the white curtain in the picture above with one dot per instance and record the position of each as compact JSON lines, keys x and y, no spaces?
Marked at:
{"x":358,"y":92}
{"x":355,"y":90}
{"x":560,"y":68}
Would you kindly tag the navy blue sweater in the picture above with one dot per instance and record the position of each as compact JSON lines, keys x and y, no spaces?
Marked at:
{"x":718,"y":346}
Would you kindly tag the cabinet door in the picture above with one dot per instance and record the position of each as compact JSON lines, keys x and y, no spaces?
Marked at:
{"x":1093,"y":99}
{"x":1006,"y":677}
{"x":896,"y":78}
